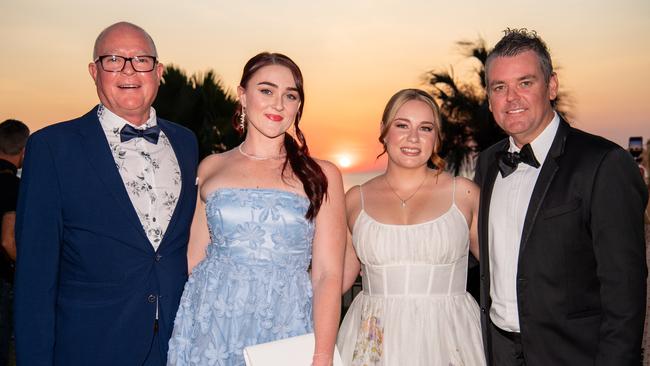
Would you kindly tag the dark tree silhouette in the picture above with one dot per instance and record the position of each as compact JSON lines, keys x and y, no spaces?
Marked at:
{"x":200,"y":103}
{"x":464,"y":108}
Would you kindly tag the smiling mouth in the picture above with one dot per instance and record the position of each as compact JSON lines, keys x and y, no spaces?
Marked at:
{"x":274,"y":117}
{"x":410,"y":150}
{"x":515,"y":111}
{"x":128,"y":86}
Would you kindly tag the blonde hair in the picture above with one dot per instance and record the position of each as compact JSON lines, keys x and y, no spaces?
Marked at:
{"x":395,"y":103}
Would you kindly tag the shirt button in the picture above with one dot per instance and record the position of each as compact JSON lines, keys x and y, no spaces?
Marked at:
{"x":151,"y":298}
{"x":482,"y":310}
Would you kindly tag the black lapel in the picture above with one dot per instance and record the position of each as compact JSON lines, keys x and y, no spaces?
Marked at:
{"x":486,"y":193}
{"x":487,"y":184}
{"x":99,"y":155}
{"x":549,"y":168}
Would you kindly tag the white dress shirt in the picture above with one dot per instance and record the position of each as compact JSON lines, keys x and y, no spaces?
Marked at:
{"x":508,"y":207}
{"x":150,"y":173}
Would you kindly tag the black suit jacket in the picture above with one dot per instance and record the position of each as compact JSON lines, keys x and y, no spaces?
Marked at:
{"x":581,"y":275}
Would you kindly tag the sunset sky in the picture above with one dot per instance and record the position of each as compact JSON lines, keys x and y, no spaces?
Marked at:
{"x":354,"y":55}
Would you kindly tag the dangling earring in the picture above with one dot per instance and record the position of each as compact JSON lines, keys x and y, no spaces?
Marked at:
{"x":242,"y":119}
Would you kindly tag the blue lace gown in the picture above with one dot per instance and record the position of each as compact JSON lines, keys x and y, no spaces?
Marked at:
{"x":253,"y":285}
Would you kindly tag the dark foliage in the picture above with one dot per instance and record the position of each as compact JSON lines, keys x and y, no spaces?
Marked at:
{"x":464,"y":108}
{"x":200,"y":103}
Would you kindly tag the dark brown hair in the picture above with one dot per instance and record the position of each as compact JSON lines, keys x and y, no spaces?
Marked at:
{"x":517,"y":41}
{"x":311,"y":175}
{"x":395,"y":103}
{"x":13,"y":137}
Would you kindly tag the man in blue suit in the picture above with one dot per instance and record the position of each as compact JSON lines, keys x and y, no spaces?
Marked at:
{"x":103,"y":220}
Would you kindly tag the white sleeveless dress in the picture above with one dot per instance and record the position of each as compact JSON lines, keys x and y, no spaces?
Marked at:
{"x":414,"y":309}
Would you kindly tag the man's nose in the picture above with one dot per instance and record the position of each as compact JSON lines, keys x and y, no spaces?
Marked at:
{"x":512,"y":94}
{"x":128,"y":67}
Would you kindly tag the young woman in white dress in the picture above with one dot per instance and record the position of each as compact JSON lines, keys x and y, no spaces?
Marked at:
{"x":411,"y":230}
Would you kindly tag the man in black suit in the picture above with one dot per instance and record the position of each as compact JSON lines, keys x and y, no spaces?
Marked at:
{"x":563,"y":271}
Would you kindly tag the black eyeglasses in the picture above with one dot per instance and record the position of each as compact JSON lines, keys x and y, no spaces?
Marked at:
{"x":114,"y":63}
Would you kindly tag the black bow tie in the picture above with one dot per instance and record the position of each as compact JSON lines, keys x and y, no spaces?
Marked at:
{"x":508,"y":161}
{"x":150,"y":134}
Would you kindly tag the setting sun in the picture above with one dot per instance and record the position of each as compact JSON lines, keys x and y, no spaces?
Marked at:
{"x":344,"y":161}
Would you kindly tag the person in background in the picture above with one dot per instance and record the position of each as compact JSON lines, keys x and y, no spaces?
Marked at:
{"x":13,"y":137}
{"x":103,"y":220}
{"x":563,"y":261}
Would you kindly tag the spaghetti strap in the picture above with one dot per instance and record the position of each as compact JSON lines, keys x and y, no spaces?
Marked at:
{"x":361,"y":193}
{"x":453,"y":192}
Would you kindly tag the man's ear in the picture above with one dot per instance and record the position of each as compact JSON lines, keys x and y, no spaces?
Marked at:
{"x":92,"y":69}
{"x":553,"y":85}
{"x":160,"y":69}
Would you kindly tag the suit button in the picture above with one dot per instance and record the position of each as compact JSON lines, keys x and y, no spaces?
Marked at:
{"x":158,"y":257}
{"x":482,"y":277}
{"x":151,"y":298}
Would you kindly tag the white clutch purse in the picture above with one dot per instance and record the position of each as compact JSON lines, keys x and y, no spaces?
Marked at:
{"x":294,"y":351}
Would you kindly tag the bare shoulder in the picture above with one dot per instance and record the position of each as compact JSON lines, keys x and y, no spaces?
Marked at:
{"x":354,"y":191}
{"x":466,"y":186}
{"x":352,"y":205}
{"x":353,"y":196}
{"x":329,"y":169}
{"x":370,"y":188}
{"x":374,"y":181}
{"x":214,"y":165}
{"x":211,"y":163}
{"x":466,"y":190}
{"x":208,"y":165}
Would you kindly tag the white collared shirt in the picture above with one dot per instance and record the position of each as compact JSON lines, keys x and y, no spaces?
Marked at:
{"x":150,"y":173}
{"x":508,"y":207}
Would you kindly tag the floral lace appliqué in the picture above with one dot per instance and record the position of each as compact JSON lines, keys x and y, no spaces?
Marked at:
{"x":253,"y":286}
{"x":369,"y":346}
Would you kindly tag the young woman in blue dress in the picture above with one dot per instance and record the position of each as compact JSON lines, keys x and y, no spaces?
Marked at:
{"x":266,"y":213}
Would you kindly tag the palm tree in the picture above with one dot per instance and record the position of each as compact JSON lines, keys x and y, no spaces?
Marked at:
{"x":200,"y":103}
{"x":467,"y":123}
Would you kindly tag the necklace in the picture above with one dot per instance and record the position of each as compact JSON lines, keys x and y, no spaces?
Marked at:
{"x":403,"y":201}
{"x":256,"y":157}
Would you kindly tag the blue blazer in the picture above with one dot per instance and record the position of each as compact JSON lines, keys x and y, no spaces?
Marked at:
{"x":87,"y":278}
